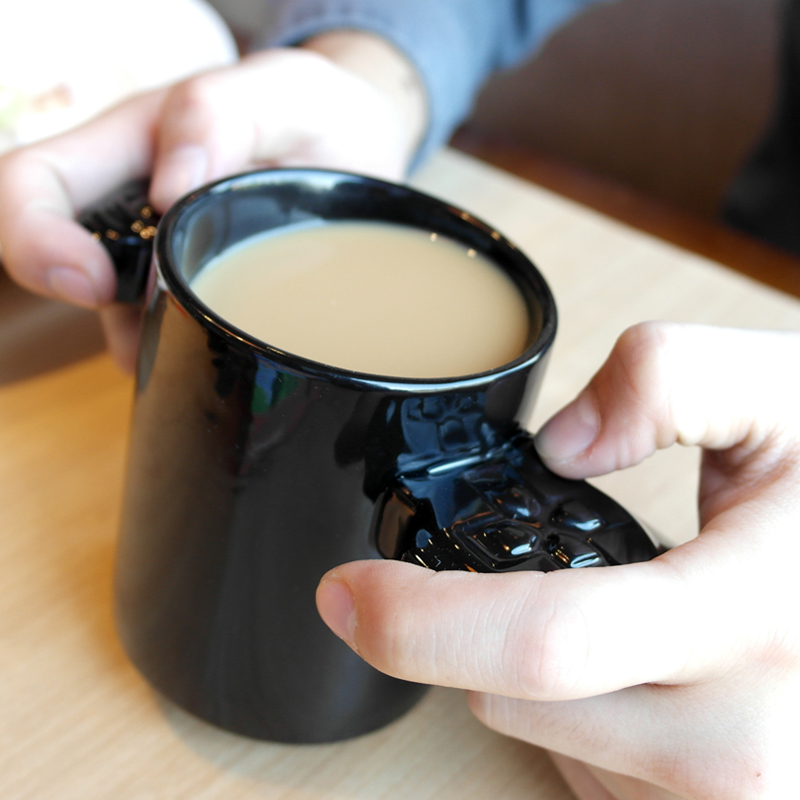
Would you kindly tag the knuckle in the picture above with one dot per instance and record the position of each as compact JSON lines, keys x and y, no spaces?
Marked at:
{"x":196,"y":95}
{"x":293,"y":70}
{"x":647,"y":336}
{"x":375,"y":646}
{"x":382,"y":640}
{"x":193,"y":109}
{"x":642,"y":351}
{"x":642,"y":370}
{"x":548,"y":658}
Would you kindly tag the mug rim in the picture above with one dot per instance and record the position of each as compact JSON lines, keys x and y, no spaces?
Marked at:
{"x":169,"y":278}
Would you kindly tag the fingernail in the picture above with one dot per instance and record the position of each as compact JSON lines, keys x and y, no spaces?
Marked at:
{"x":74,"y":286}
{"x":184,"y":169}
{"x":569,"y":432}
{"x":338,"y":608}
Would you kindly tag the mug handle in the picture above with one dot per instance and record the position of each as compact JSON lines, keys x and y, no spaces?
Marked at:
{"x":506,"y":512}
{"x":125,"y":223}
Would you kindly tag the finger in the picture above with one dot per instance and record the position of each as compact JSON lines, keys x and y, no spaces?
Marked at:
{"x":347,"y":124}
{"x":284,"y":107}
{"x":206,"y":132}
{"x":635,"y":739}
{"x":665,"y":383}
{"x":43,"y":187}
{"x":547,"y":636}
{"x":227,"y":120}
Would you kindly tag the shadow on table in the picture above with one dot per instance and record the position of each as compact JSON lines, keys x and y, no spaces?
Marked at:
{"x":437,"y":751}
{"x":38,"y":335}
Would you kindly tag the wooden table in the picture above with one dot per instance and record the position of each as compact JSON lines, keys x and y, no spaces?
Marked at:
{"x":77,"y":721}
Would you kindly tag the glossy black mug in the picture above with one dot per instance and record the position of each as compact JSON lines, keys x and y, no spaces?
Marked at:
{"x":253,"y":471}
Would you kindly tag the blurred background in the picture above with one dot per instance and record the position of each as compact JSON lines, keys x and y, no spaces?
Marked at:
{"x":642,"y":109}
{"x":666,"y":96}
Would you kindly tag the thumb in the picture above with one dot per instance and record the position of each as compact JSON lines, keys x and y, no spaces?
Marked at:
{"x":558,"y":635}
{"x":667,"y":382}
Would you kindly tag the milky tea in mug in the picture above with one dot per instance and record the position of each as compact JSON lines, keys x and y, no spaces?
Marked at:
{"x":371,"y":297}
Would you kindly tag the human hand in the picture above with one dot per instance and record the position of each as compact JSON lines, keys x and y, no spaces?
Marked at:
{"x":674,"y":678}
{"x":287,"y":107}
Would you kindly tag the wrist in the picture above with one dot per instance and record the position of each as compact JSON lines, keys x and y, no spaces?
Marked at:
{"x":382,"y":65}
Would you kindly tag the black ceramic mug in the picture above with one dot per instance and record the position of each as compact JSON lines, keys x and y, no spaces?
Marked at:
{"x":253,"y":471}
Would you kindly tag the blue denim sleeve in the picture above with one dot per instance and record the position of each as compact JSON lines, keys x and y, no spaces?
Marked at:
{"x":454,"y":44}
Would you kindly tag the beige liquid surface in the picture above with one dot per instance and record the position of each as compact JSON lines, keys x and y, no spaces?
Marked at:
{"x":370,"y":297}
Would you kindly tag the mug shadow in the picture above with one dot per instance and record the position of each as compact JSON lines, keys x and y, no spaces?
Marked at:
{"x":437,"y":751}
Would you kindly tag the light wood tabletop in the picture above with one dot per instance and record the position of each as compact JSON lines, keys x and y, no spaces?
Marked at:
{"x":76,"y":719}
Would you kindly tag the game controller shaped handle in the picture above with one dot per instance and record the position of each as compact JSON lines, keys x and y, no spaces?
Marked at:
{"x":507,"y":513}
{"x":125,"y":223}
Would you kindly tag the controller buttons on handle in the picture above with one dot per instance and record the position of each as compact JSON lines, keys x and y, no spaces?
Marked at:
{"x":498,"y":540}
{"x":573,"y":552}
{"x":573,"y":514}
{"x":125,"y":223}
